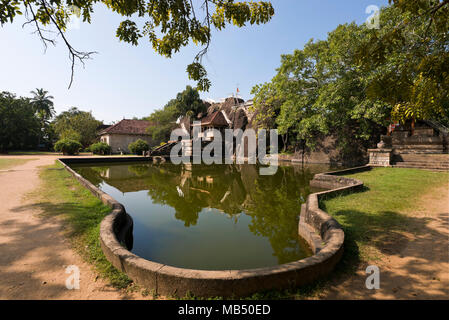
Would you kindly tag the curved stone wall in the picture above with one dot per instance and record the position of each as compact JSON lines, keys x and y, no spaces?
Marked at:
{"x":323,"y":233}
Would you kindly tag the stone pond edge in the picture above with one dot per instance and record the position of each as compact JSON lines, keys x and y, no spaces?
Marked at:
{"x":323,"y":233}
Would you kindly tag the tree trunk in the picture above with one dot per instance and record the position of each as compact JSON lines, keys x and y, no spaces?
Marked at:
{"x":303,"y":152}
{"x":284,"y":141}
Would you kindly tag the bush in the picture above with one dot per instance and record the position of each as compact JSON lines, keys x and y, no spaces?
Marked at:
{"x":70,"y":134}
{"x":100,"y":148}
{"x":68,"y":146}
{"x":138,"y":146}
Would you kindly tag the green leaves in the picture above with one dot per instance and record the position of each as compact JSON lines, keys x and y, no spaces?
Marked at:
{"x":169,"y":24}
{"x":197,"y":72}
{"x":19,"y":127}
{"x":138,"y":146}
{"x":128,"y":32}
{"x":321,"y":90}
{"x":187,"y":102}
{"x":8,"y":11}
{"x":239,"y":13}
{"x":78,"y":124}
{"x":408,"y":60}
{"x":68,"y":146}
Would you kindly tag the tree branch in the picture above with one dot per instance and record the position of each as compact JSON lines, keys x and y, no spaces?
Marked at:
{"x":73,"y":53}
{"x":38,"y":28}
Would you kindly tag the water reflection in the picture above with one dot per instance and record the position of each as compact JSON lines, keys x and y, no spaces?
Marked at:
{"x":209,"y":200}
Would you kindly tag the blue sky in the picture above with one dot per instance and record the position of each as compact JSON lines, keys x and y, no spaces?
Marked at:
{"x":127,"y":81}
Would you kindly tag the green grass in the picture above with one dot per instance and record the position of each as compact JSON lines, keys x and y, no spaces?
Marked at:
{"x":375,"y":220}
{"x":63,"y":196}
{"x":9,"y":163}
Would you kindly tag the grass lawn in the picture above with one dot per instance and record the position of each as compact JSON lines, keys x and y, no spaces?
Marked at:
{"x":9,"y":163}
{"x":374,"y":219}
{"x":63,"y":196}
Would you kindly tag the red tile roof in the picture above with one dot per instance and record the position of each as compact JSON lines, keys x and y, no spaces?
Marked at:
{"x":126,"y":126}
{"x":215,"y":119}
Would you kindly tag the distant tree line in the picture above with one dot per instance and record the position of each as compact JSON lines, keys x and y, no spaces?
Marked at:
{"x":32,"y":124}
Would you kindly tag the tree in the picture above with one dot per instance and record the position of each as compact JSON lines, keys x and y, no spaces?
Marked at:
{"x":408,"y":59}
{"x":138,"y":146}
{"x":169,"y":24}
{"x":165,"y":122}
{"x":77,"y":124}
{"x":100,"y":148}
{"x":19,"y":126}
{"x":68,"y":146}
{"x":320,"y":90}
{"x":186,"y":103}
{"x":43,"y":106}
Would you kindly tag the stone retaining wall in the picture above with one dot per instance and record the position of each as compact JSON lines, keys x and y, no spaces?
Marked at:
{"x":323,"y":233}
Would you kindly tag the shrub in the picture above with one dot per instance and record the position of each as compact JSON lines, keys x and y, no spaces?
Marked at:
{"x":138,"y":146}
{"x":100,"y":148}
{"x":68,"y":146}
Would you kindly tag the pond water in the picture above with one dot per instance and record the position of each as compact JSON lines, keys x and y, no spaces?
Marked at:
{"x":213,"y":217}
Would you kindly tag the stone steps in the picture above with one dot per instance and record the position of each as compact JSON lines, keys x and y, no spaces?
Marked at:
{"x":424,"y":163}
{"x":423,"y":148}
{"x":441,"y":157}
{"x":438,"y":161}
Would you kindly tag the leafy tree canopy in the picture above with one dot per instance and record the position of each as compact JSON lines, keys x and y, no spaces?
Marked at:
{"x":168,"y":24}
{"x":19,"y":126}
{"x":43,"y":104}
{"x":186,"y":103}
{"x":78,"y":125}
{"x":408,"y":59}
{"x":350,"y":84}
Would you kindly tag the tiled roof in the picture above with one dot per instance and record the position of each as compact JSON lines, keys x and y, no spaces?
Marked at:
{"x":128,"y":127}
{"x":215,"y":119}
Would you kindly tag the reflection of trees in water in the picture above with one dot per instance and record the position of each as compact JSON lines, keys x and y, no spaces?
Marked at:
{"x":202,"y":187}
{"x":273,"y":202}
{"x":138,"y":170}
{"x":93,"y":174}
{"x":274,"y":206}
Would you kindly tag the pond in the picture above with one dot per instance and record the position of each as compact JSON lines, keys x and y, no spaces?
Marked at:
{"x":217,"y":217}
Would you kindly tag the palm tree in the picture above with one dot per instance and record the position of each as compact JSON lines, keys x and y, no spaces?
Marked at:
{"x":43,"y":105}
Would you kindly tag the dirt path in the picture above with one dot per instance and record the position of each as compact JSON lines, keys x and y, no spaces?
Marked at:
{"x":33,"y":252}
{"x":417,"y":267}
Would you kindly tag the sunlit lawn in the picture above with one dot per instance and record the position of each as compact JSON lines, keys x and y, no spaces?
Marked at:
{"x":375,"y":218}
